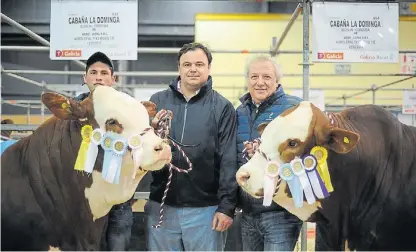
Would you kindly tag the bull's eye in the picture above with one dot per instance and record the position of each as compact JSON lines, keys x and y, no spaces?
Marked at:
{"x":292,"y":144}
{"x":113,"y":125}
{"x":111,"y":121}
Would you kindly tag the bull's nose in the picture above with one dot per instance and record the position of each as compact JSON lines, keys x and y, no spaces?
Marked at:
{"x":242,"y":177}
{"x":260,"y":193}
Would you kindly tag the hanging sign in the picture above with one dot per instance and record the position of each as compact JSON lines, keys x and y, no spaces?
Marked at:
{"x":80,"y":28}
{"x":408,"y":63}
{"x":316,"y":97}
{"x":409,"y":102}
{"x":355,"y":32}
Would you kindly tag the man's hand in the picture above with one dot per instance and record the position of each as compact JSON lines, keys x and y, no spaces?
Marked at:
{"x":161,"y":115}
{"x":250,"y":147}
{"x":221,"y":222}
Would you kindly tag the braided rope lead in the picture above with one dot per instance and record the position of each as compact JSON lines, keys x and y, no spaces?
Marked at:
{"x":163,"y":131}
{"x":245,"y":153}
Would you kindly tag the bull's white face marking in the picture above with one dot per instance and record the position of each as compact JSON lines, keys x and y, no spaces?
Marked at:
{"x":134,"y":117}
{"x":131,"y":113}
{"x":292,"y":126}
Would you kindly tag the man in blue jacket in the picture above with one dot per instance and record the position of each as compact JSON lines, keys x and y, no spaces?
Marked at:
{"x":269,"y":228}
{"x":100,"y":71}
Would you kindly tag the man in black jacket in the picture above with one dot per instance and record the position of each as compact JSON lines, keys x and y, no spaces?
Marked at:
{"x":200,"y":205}
{"x":100,"y":71}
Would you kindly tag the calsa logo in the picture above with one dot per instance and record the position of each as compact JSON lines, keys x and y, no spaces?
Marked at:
{"x":334,"y":55}
{"x":68,"y":53}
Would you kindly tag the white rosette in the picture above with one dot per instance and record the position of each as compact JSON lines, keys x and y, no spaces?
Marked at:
{"x":135,"y":143}
{"x":271,"y":176}
{"x":92,"y":152}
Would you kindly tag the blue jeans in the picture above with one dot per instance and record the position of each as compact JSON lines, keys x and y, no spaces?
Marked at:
{"x":270,"y":231}
{"x":184,"y":228}
{"x":120,"y":221}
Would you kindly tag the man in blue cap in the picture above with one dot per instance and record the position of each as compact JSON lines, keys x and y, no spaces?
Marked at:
{"x":100,"y":71}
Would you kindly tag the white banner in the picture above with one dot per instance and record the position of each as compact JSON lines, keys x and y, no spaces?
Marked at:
{"x":316,"y":96}
{"x":408,"y":63}
{"x":409,"y":102}
{"x":355,"y":32}
{"x":80,"y":28}
{"x":144,"y":94}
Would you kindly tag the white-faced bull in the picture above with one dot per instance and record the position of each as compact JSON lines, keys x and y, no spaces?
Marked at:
{"x":49,"y":201}
{"x":369,"y":174}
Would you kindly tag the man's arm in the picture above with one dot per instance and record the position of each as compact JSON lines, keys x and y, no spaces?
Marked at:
{"x":227,"y":151}
{"x":240,"y":146}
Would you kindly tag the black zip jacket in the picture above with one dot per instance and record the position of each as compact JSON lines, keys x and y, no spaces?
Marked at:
{"x":206,"y":125}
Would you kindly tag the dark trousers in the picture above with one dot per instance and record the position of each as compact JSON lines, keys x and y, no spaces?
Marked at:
{"x":120,"y":222}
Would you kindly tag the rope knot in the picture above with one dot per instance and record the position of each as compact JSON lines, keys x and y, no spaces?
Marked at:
{"x":251,"y":146}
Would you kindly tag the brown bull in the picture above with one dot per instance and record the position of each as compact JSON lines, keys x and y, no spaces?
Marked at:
{"x":45,"y":201}
{"x":369,"y":176}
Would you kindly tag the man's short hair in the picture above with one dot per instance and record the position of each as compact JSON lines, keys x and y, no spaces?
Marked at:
{"x":99,"y":57}
{"x":277,"y":67}
{"x":192,"y":47}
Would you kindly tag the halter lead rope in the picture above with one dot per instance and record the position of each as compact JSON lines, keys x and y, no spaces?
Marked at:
{"x":256,"y":148}
{"x":163,"y":127}
{"x":255,"y":143}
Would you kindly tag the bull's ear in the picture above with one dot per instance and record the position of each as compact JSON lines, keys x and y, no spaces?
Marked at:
{"x":151,"y":107}
{"x":64,"y":108}
{"x":261,"y":127}
{"x":339,"y":140}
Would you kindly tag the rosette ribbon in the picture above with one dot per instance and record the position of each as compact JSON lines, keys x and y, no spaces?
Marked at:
{"x":318,"y":186}
{"x":293,"y":182}
{"x":83,"y":148}
{"x":298,"y":169}
{"x":271,"y":176}
{"x":321,"y":155}
{"x":135,"y":143}
{"x":96,"y":139}
{"x":115,"y":147}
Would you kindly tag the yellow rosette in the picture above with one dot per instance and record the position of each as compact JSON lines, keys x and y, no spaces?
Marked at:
{"x":321,"y":155}
{"x":86,"y":132}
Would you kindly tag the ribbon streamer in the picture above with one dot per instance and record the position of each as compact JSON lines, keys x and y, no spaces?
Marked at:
{"x":83,"y":148}
{"x":299,"y":170}
{"x":310,"y":164}
{"x":271,"y":175}
{"x":293,"y":182}
{"x":136,"y":145}
{"x":119,"y":149}
{"x":321,"y":155}
{"x":107,"y":144}
{"x":96,"y":139}
{"x":115,"y":147}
